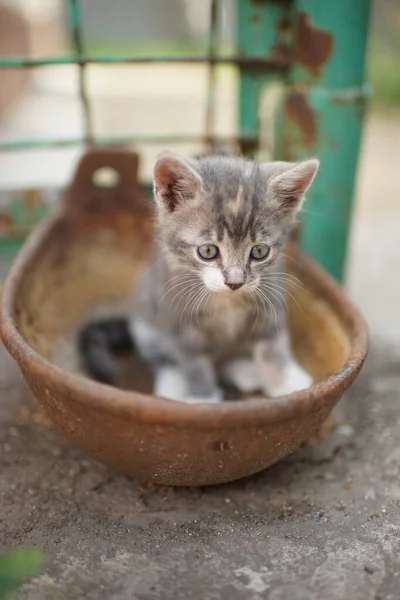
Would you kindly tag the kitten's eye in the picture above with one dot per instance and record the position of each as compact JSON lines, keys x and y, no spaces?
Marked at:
{"x":259,"y":252}
{"x":208,"y":251}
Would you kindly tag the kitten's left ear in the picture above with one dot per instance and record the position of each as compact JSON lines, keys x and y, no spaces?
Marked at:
{"x":290,"y":186}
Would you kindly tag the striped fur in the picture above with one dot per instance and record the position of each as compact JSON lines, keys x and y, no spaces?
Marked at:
{"x":185,"y":318}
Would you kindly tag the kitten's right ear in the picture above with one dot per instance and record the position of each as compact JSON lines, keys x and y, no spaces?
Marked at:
{"x":175,"y":182}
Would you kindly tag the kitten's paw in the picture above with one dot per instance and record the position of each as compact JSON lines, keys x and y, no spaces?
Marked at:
{"x":243,"y":374}
{"x":216,"y":396}
{"x":295,"y":379}
{"x":170,"y":383}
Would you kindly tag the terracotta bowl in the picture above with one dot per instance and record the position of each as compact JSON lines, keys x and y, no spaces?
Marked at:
{"x":88,"y":254}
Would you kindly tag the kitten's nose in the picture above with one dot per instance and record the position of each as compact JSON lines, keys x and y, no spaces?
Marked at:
{"x":233,"y":286}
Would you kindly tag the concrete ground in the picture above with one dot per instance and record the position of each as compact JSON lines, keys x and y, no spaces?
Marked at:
{"x":324,"y":523}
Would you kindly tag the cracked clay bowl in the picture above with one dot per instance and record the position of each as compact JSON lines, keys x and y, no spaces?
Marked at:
{"x":88,"y":254}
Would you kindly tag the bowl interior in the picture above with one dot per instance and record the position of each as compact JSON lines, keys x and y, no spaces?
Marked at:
{"x":70,"y":281}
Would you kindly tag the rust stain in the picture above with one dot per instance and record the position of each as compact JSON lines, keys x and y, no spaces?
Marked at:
{"x":284,"y":26}
{"x":300,"y":113}
{"x":313,"y":47}
{"x":5,"y":220}
{"x":281,"y":52}
{"x":32,"y":202}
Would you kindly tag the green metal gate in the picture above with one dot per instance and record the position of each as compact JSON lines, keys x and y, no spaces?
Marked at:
{"x":315,"y":49}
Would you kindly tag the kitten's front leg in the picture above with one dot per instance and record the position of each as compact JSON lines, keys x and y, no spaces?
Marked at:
{"x":201,"y":379}
{"x":183,"y":370}
{"x":278,"y":370}
{"x":243,"y":374}
{"x":169,"y":382}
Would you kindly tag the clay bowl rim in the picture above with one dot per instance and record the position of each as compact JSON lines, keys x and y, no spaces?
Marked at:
{"x":152,"y":409}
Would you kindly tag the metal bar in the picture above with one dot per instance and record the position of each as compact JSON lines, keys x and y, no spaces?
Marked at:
{"x":275,"y":63}
{"x":211,"y":84}
{"x":322,"y":115}
{"x":76,"y":35}
{"x":115,"y":141}
{"x":261,"y":32}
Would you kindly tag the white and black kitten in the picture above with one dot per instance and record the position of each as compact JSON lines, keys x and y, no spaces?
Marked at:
{"x":209,"y":307}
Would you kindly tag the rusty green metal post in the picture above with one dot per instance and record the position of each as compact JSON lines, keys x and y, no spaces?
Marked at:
{"x":322,"y":116}
{"x":262,"y":32}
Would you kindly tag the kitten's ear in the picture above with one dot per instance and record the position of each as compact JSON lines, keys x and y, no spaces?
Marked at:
{"x":174,"y":181}
{"x":290,"y":185}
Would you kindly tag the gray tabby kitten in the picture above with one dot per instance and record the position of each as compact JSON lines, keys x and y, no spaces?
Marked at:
{"x":209,"y":309}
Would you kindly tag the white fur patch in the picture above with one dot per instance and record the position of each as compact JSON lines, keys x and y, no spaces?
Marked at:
{"x":170,"y":383}
{"x":280,"y":373}
{"x":142,"y":332}
{"x":294,"y":379}
{"x":213,"y":279}
{"x":217,"y":396}
{"x":243,"y":374}
{"x":235,"y":275}
{"x":147,"y":336}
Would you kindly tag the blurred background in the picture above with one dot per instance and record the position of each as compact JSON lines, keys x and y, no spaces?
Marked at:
{"x":43,"y":103}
